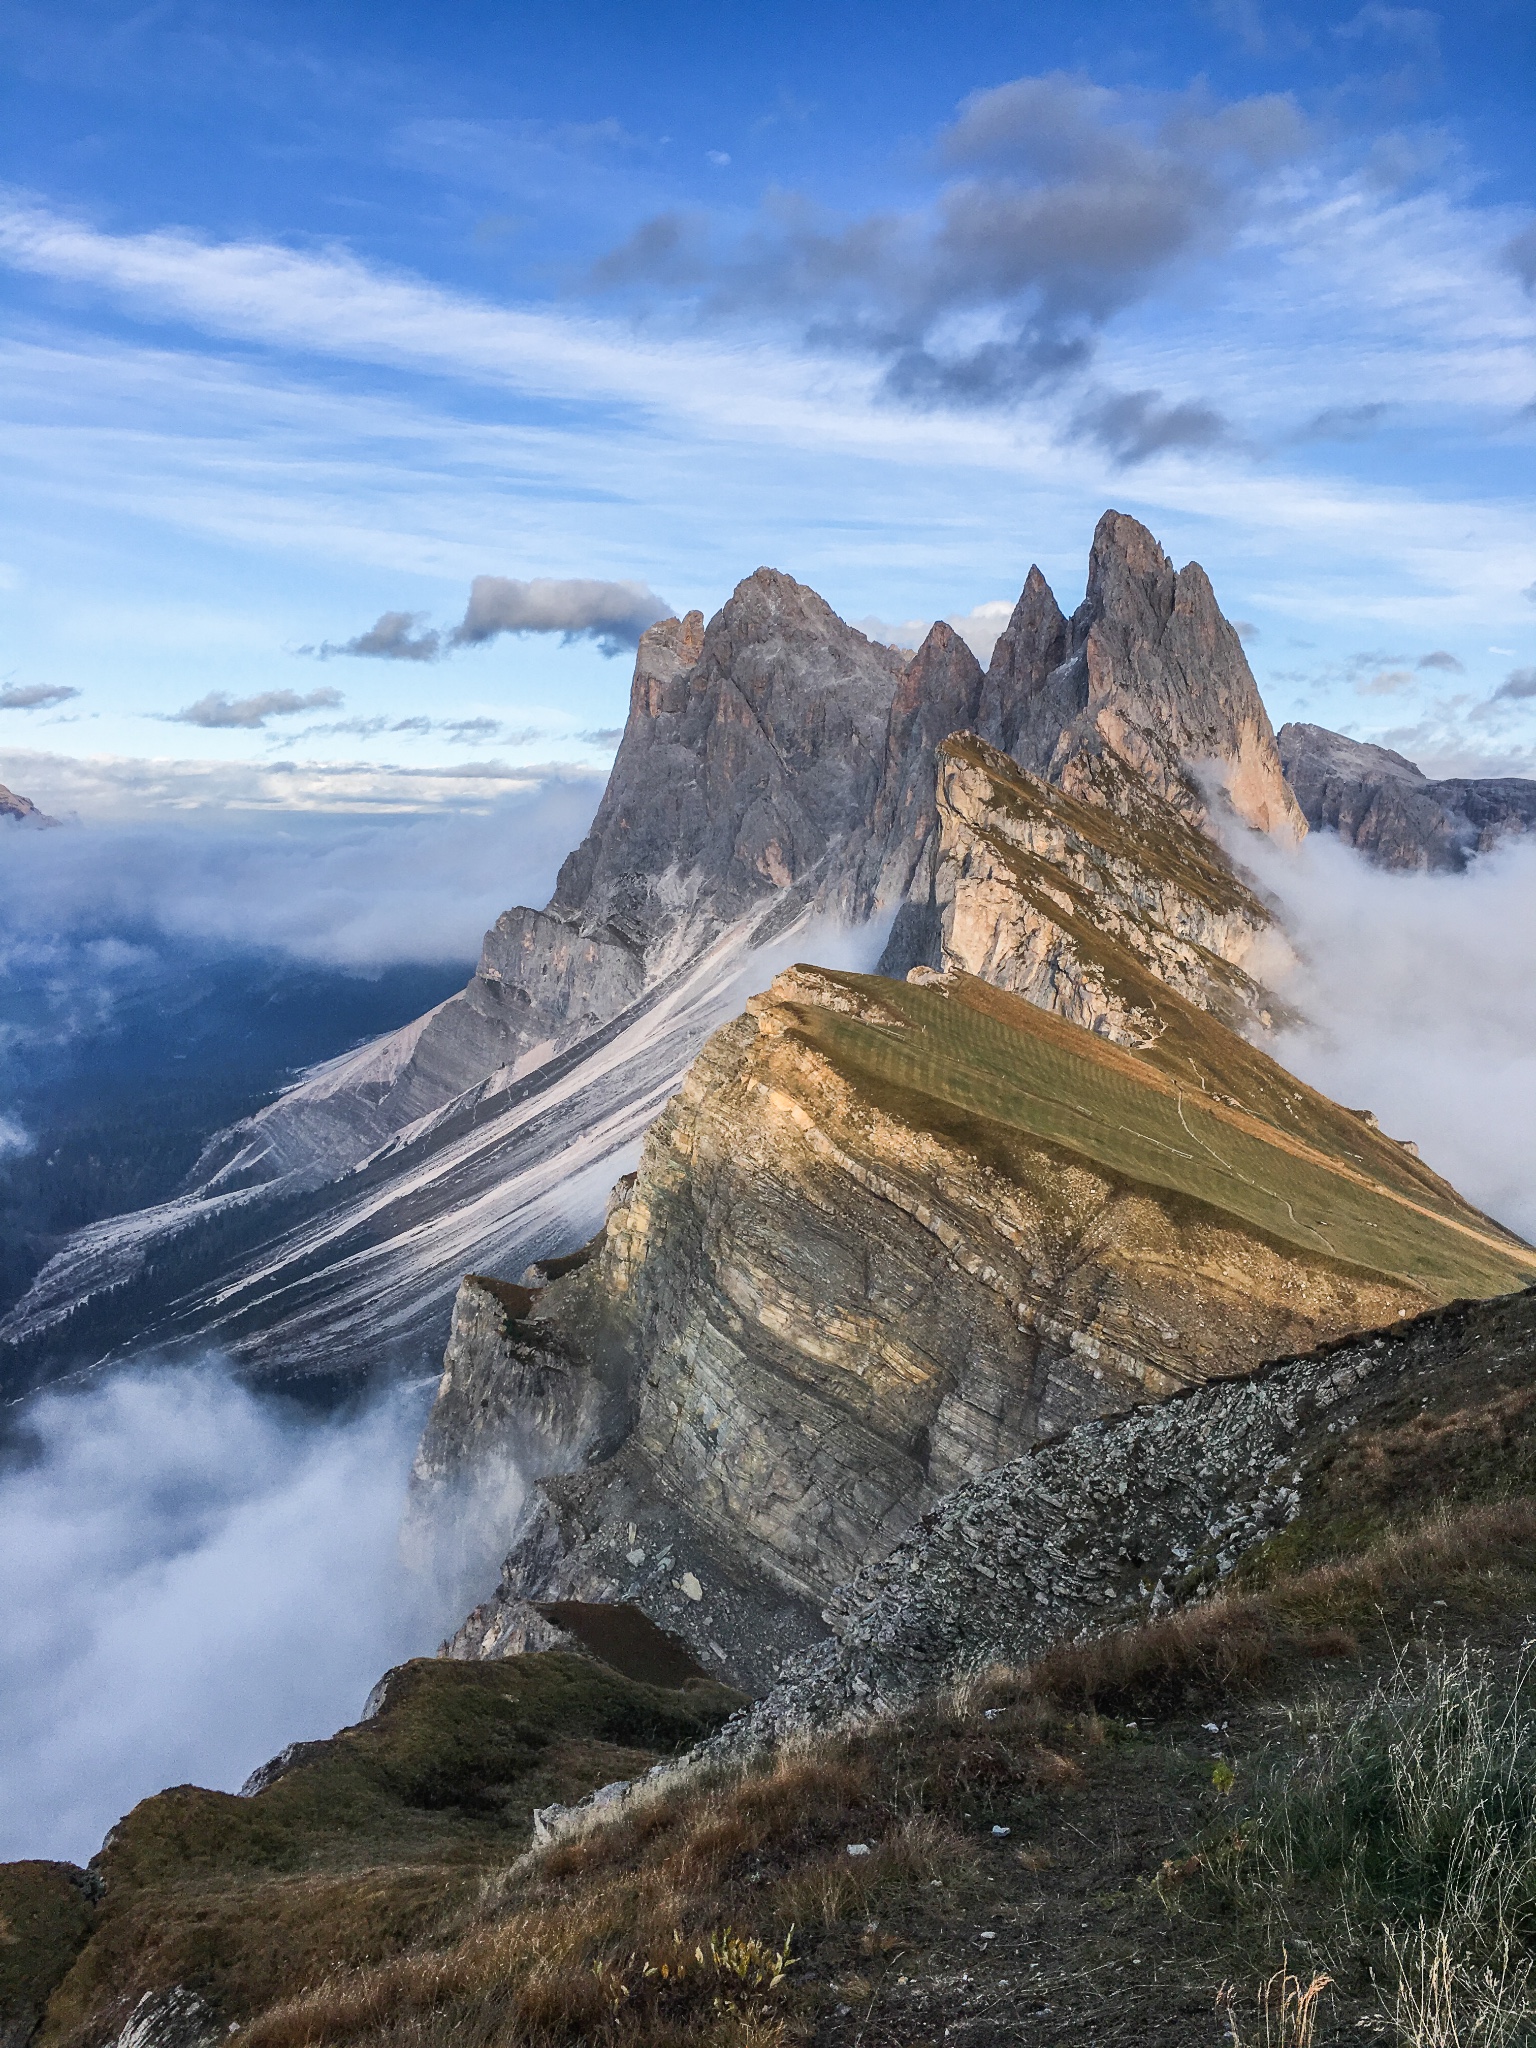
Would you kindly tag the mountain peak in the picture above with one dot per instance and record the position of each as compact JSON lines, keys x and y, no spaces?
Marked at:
{"x":1148,"y":669}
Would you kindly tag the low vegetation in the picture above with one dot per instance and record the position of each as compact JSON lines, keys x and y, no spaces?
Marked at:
{"x":1301,"y":1812}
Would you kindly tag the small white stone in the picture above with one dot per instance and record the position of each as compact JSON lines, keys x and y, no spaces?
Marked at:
{"x":635,"y":1556}
{"x":1002,"y":1831}
{"x":689,"y":1587}
{"x":858,"y":1848}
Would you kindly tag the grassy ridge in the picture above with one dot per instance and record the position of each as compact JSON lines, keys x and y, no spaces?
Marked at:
{"x":1202,"y":1113}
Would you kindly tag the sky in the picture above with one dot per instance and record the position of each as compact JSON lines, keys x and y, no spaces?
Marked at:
{"x":370,"y":375}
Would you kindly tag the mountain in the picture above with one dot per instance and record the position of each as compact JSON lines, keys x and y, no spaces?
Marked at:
{"x":776,"y":768}
{"x":22,"y":809}
{"x":1380,"y":802}
{"x":885,"y":1237}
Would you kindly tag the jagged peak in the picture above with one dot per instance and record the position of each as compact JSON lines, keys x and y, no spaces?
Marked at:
{"x":1122,"y":546}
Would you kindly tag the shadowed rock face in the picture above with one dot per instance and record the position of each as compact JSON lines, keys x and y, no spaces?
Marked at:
{"x":1383,"y":804}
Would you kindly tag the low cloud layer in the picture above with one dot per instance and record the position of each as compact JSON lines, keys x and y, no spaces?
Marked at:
{"x":34,"y":696}
{"x":1420,"y":986}
{"x":192,"y":1579}
{"x":614,"y":615}
{"x":348,"y":891}
{"x":219,"y":711}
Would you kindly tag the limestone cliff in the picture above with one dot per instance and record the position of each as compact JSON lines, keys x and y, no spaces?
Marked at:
{"x":1029,"y":883}
{"x":1147,"y":669}
{"x":1380,"y":802}
{"x":888,"y":1235}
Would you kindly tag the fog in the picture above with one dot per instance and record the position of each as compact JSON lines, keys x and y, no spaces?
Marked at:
{"x":1421,"y":988}
{"x":191,"y":1578}
{"x":346,"y":891}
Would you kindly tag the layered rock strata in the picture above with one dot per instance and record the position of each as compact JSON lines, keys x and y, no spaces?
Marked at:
{"x":887,"y":1236}
{"x":1378,"y":801}
{"x":1029,"y":883}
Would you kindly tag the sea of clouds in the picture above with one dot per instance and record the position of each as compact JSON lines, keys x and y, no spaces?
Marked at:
{"x":1419,"y":989}
{"x":192,"y":1577}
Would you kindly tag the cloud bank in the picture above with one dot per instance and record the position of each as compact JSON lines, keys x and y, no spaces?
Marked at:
{"x":356,"y":892}
{"x":192,"y":1578}
{"x":1421,"y":985}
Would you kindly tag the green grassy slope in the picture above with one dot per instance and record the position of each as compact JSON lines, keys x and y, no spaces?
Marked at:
{"x":1202,"y":1113}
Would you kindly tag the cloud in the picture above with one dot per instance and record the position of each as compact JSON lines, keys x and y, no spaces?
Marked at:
{"x":1386,"y":682}
{"x":1517,"y":686}
{"x":194,"y":1577}
{"x":1245,"y":630}
{"x":578,"y":607}
{"x":1132,"y":426}
{"x":1443,"y":1057}
{"x":1343,"y":422}
{"x":1413,"y":28}
{"x":392,"y":637}
{"x":14,"y":1140}
{"x":1442,"y":658}
{"x":355,"y":880}
{"x":1062,"y":202}
{"x":1520,"y":255}
{"x":718,"y":157}
{"x":603,"y":736}
{"x":978,"y":628}
{"x":34,"y":696}
{"x":219,"y":710}
{"x":1529,"y":593}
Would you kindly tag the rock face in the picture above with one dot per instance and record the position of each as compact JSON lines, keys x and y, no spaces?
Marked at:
{"x":887,"y":1236}
{"x":1029,"y":882}
{"x":1117,"y":1521}
{"x":1147,"y":669}
{"x":752,"y":751}
{"x":1380,"y":802}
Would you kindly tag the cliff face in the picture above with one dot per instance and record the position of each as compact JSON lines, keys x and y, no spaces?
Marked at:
{"x":888,"y":1235}
{"x":1380,"y":802}
{"x":1157,"y":675}
{"x":1030,"y":882}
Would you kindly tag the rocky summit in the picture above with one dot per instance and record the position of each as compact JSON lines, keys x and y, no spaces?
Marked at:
{"x":1378,"y":801}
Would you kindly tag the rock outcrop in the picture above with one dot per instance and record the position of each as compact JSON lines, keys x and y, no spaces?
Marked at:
{"x":1380,"y":802}
{"x":1119,"y":1520}
{"x":21,"y":809}
{"x":1029,"y":883}
{"x":1148,"y":670}
{"x":887,"y":1236}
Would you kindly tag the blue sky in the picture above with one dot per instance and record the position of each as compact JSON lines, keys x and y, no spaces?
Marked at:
{"x":315,"y":314}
